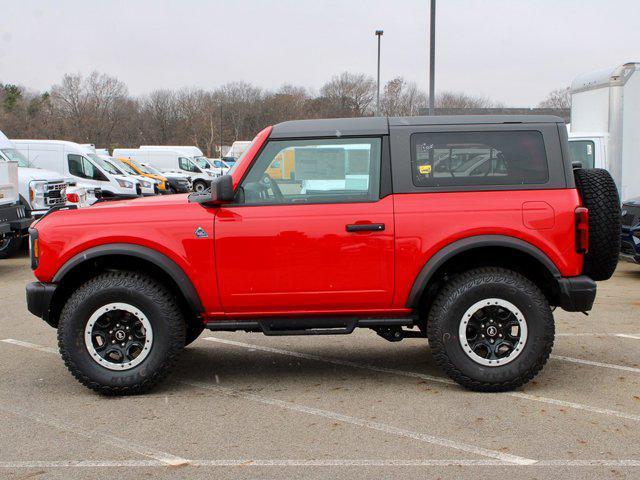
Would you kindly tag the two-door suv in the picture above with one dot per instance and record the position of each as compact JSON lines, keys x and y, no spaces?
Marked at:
{"x":466,"y":230}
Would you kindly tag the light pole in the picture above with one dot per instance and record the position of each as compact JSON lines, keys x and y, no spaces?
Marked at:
{"x":379,"y":34}
{"x":432,"y":59}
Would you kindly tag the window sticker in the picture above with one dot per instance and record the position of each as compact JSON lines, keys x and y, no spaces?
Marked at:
{"x":424,"y":169}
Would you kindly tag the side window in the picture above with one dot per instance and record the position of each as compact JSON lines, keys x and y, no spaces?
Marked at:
{"x":79,"y":166}
{"x":478,"y":158}
{"x":315,"y":171}
{"x":186,"y":164}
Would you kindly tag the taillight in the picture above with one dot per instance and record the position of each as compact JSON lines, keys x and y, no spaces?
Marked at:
{"x":582,"y":230}
{"x":73,"y":197}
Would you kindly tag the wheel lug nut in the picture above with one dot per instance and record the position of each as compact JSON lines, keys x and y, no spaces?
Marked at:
{"x":128,"y":327}
{"x":482,"y":335}
{"x":499,"y":324}
{"x":122,"y":344}
{"x":482,"y":325}
{"x":113,"y":341}
{"x":111,"y":331}
{"x":491,"y":340}
{"x":131,"y":338}
{"x":500,"y":335}
{"x":117,"y":325}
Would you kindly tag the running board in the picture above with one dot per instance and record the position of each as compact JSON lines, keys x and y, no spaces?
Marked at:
{"x":307,"y":326}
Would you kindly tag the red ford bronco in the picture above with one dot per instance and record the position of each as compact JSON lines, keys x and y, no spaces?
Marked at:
{"x":468,"y":231}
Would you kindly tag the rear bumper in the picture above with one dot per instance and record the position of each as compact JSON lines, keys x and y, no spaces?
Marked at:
{"x":39,"y":296}
{"x":577,"y":294}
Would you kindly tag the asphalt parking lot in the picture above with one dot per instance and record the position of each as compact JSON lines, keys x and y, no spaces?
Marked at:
{"x":244,"y":405}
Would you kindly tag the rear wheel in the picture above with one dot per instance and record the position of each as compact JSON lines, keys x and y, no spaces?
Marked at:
{"x":120,"y":333}
{"x":491,"y":329}
{"x":599,"y":194}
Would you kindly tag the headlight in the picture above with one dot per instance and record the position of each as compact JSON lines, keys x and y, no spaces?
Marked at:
{"x":124,"y":183}
{"x":210,"y":173}
{"x":36,"y":188}
{"x":145,"y":184}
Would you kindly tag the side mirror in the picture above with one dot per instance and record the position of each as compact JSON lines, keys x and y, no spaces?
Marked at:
{"x":221,"y":192}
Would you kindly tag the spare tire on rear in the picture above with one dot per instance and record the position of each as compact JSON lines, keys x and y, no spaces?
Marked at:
{"x":599,"y":194}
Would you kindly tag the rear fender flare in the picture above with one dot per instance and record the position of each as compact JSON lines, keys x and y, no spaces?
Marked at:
{"x":459,"y":246}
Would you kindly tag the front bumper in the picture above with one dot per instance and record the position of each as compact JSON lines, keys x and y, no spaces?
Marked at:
{"x":39,"y":296}
{"x":577,"y":294}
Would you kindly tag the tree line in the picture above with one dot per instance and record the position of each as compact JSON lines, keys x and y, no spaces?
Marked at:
{"x":98,"y":109}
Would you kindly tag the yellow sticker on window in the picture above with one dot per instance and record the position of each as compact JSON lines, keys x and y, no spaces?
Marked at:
{"x":424,"y":169}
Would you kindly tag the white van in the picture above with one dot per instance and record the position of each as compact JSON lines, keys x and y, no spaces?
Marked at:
{"x":72,"y":160}
{"x":147,"y":185}
{"x":170,"y":161}
{"x":194,"y":152}
{"x":14,"y":218}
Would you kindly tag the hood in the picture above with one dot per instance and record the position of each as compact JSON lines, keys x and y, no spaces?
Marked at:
{"x":632,"y":202}
{"x":29,"y":174}
{"x":146,"y":202}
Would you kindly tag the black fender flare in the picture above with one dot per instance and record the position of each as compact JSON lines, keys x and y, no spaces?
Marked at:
{"x":129,"y":249}
{"x":477,"y":241}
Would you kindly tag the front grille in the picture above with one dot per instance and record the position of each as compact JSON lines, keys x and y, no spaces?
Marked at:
{"x":55,"y":194}
{"x":630,"y":215}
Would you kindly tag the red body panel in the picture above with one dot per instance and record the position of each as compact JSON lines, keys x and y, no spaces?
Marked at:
{"x":427,"y":222}
{"x":299,"y":259}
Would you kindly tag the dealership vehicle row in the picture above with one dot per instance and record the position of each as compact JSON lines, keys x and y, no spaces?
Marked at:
{"x":39,"y":175}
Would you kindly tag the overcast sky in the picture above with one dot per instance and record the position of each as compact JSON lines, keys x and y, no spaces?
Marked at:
{"x":512,"y":51}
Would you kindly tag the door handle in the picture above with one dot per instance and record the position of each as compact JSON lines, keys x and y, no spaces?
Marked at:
{"x":365,"y":227}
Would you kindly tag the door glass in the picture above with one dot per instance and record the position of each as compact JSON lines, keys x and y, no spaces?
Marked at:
{"x":314,"y":171}
{"x":186,"y":164}
{"x":79,"y":166}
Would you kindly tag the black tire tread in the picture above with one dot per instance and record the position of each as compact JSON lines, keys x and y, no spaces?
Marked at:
{"x":449,"y":295}
{"x":145,"y":286}
{"x":599,"y":194}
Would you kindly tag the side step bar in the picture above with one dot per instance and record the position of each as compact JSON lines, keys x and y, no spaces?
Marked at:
{"x":308,"y":326}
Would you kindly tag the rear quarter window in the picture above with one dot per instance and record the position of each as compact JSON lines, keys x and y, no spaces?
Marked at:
{"x":441,"y":159}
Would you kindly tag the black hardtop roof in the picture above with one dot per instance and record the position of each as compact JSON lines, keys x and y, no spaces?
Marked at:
{"x":338,"y":127}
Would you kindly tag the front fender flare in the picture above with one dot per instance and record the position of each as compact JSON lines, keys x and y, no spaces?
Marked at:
{"x":158,"y":259}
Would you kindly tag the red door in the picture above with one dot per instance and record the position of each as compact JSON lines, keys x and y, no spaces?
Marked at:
{"x":329,"y":258}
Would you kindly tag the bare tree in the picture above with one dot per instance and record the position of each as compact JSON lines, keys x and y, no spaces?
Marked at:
{"x":463,"y":100}
{"x":349,"y":95}
{"x":560,"y":98}
{"x":402,"y":98}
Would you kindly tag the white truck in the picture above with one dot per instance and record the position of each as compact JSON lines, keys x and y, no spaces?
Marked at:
{"x":605,"y":124}
{"x":235,"y":152}
{"x":70,"y":159}
{"x":39,"y":189}
{"x":14,"y":218}
{"x":148,"y":186}
{"x":170,"y":161}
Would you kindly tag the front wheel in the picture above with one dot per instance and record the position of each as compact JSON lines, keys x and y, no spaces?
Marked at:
{"x":121,"y":333}
{"x":9,"y":246}
{"x":199,"y":187}
{"x":491,"y":329}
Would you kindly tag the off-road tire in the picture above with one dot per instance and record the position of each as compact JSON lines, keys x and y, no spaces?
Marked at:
{"x":599,"y":194}
{"x":148,"y":296}
{"x":448,"y":310}
{"x":9,"y":246}
{"x":194,"y":329}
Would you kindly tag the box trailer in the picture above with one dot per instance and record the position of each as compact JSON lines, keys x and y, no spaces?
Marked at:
{"x":605,"y":124}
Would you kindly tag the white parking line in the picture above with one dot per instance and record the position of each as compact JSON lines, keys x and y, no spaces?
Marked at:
{"x":251,"y":462}
{"x":102,"y":437}
{"x":628,"y":335}
{"x":381,"y":427}
{"x":596,"y":364}
{"x":33,"y":346}
{"x":404,"y":373}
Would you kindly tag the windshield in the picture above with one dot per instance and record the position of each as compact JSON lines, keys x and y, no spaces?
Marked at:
{"x":15,"y":156}
{"x":116,"y":166}
{"x":150,"y":170}
{"x":202,"y":162}
{"x":583,"y":151}
{"x":103,"y":164}
{"x":124,"y":167}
